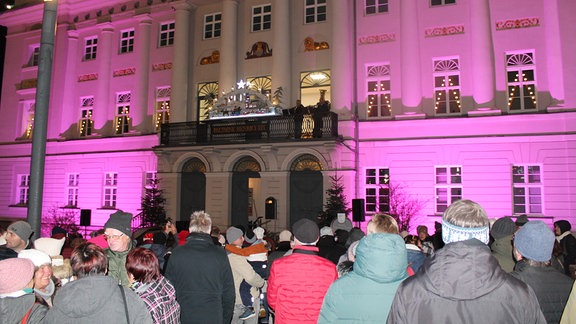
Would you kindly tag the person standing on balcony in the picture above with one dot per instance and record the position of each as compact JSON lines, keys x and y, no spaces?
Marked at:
{"x":322,"y":109}
{"x":118,"y":233}
{"x":298,"y":118}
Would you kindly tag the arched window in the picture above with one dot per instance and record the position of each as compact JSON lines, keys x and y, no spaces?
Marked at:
{"x":306,"y":162}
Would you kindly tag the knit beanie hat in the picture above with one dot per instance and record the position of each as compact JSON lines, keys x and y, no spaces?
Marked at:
{"x":259,"y":233}
{"x":15,"y":274}
{"x":37,"y":257}
{"x":452,"y":233}
{"x":50,"y":246}
{"x":326,"y":230}
{"x":306,"y":231}
{"x":563,"y":225}
{"x":233,"y":233}
{"x":285,"y":236}
{"x":120,"y":221}
{"x":521,"y":220}
{"x":22,"y":229}
{"x":535,"y":241}
{"x":503,"y":227}
{"x":355,"y":234}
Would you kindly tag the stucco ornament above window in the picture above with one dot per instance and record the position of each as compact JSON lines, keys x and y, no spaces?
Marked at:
{"x":213,"y":58}
{"x":311,"y":45}
{"x":518,"y":23}
{"x":259,"y":49}
{"x":444,"y":31}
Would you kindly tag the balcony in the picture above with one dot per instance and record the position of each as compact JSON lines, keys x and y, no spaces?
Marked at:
{"x":249,"y":130}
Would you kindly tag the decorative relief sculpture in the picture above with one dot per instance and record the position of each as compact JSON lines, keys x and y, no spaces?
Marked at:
{"x":259,"y":49}
{"x":517,"y":23}
{"x":213,"y":58}
{"x":311,"y":45}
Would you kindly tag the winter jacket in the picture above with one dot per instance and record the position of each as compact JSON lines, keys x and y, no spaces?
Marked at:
{"x":568,"y":244}
{"x":201,"y":274}
{"x":297,"y":285}
{"x":502,"y":251}
{"x":13,"y":309}
{"x":117,"y":265}
{"x":160,"y":299}
{"x":96,"y":299}
{"x":463,"y":283}
{"x":569,"y":314}
{"x":415,"y":257}
{"x":365,"y":294}
{"x":242,"y":270}
{"x":551,"y":287}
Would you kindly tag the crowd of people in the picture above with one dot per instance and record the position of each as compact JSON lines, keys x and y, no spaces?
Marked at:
{"x":471,"y":270}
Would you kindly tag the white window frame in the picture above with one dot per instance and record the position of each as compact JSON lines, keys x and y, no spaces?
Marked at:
{"x":122,"y":113}
{"x":315,"y":11}
{"x":22,"y":189}
{"x":442,"y":3}
{"x":377,"y":190}
{"x":162,"y":108}
{"x":448,"y":186}
{"x":34,"y":55}
{"x":90,"y":48}
{"x":86,"y":123}
{"x":378,"y":92}
{"x":126,"y":41}
{"x":212,"y":26}
{"x":374,"y":7}
{"x":448,"y":92}
{"x":527,"y":189}
{"x":72,"y":185}
{"x":166,"y":33}
{"x":110,"y":190}
{"x":261,"y":17}
{"x":521,"y":63}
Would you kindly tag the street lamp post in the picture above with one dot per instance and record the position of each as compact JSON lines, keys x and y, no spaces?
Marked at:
{"x":38,"y":155}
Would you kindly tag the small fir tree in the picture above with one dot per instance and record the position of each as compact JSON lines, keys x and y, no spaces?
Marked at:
{"x":153,"y":211}
{"x":403,"y":206}
{"x":336,"y":202}
{"x":64,"y":218}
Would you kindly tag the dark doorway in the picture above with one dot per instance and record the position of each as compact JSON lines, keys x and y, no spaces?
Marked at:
{"x":192,"y":188}
{"x":306,"y":194}
{"x":241,"y":197}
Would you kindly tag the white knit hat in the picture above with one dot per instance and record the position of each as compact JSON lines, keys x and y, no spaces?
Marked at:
{"x":326,"y":230}
{"x":37,"y":257}
{"x":50,"y":246}
{"x":259,"y":232}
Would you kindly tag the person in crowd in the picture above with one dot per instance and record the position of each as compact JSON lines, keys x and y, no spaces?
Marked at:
{"x":157,"y":293}
{"x":242,"y":271}
{"x":118,"y":233}
{"x":382,"y":223}
{"x":17,"y":239}
{"x":99,"y":238}
{"x":339,"y":248}
{"x":326,"y":242}
{"x":159,"y":250}
{"x":2,"y":235}
{"x":365,"y":294}
{"x":17,"y":300}
{"x":44,"y":285}
{"x":502,"y":231}
{"x":167,"y":236}
{"x":520,"y":221}
{"x":533,"y":244}
{"x":354,"y":235}
{"x":567,"y":243}
{"x":283,"y":246}
{"x":341,"y":222}
{"x":346,"y":263}
{"x":462,"y":282}
{"x":426,"y":240}
{"x":95,"y":297}
{"x":437,"y":237}
{"x":415,"y":255}
{"x":50,"y":246}
{"x":201,"y":274}
{"x":302,"y":271}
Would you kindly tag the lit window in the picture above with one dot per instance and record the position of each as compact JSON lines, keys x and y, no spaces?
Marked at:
{"x":90,"y":48}
{"x":34,"y":56}
{"x":22,"y":189}
{"x":162,"y":107}
{"x":261,"y":17}
{"x":521,"y":81}
{"x":86,"y":118}
{"x":315,"y":11}
{"x":207,"y":95}
{"x":448,"y":186}
{"x":441,"y":2}
{"x":28,"y":108}
{"x":212,"y":25}
{"x":122,"y":118}
{"x":127,"y":41}
{"x":378,"y":91}
{"x":447,"y":87}
{"x":167,"y":34}
{"x":375,"y":7}
{"x":72,"y":189}
{"x":377,"y":190}
{"x":527,"y":187}
{"x":110,"y":189}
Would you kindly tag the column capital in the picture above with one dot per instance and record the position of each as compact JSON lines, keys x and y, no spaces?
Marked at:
{"x":107,"y":27}
{"x":183,"y":5}
{"x":144,"y":19}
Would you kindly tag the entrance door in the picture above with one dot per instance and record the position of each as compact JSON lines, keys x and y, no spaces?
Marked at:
{"x":193,"y":194}
{"x":241,"y":197}
{"x":306,"y":193}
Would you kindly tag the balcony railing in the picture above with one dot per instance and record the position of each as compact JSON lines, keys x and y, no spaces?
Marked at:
{"x":250,"y":129}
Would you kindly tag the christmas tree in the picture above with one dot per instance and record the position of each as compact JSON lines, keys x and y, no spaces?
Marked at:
{"x":153,"y":211}
{"x":336,"y":202}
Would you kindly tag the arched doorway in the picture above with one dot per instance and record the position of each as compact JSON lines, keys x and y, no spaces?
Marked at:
{"x":245,"y":180}
{"x":306,"y":188}
{"x":192,"y":188}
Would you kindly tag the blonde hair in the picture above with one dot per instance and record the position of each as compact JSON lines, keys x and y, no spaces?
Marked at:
{"x":201,"y":222}
{"x":382,"y":223}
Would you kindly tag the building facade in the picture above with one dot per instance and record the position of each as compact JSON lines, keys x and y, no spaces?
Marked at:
{"x":430,"y":102}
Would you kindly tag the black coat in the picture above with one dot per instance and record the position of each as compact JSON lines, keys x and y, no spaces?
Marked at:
{"x":550,"y":286}
{"x":568,"y":244}
{"x":201,"y":274}
{"x":463,"y":283}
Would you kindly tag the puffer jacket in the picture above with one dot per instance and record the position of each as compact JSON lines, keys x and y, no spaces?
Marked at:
{"x":550,"y":286}
{"x":365,"y":294}
{"x":297,"y":285}
{"x":96,"y":299}
{"x":13,"y":309}
{"x":463,"y":283}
